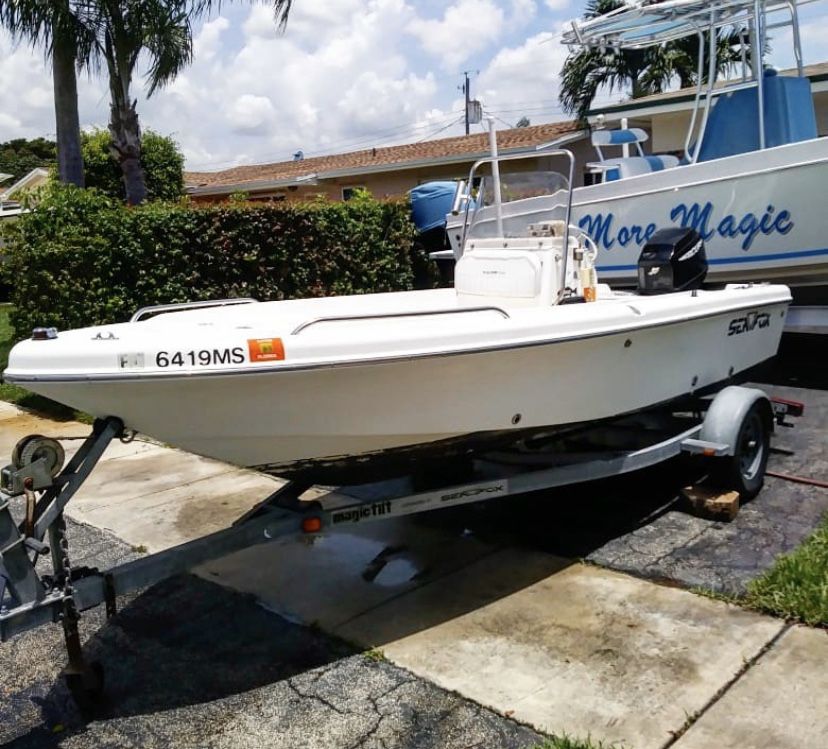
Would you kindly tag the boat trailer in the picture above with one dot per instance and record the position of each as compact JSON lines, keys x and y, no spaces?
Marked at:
{"x":732,"y":429}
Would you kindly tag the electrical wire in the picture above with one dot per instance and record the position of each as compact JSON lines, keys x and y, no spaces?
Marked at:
{"x":442,"y":129}
{"x":499,"y":119}
{"x":374,"y":138}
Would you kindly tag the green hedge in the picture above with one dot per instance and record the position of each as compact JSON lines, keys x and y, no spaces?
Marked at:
{"x":81,"y":258}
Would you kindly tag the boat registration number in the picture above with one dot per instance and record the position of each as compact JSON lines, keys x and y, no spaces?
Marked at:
{"x":200,"y":357}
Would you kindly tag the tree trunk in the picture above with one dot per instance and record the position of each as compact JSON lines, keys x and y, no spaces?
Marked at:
{"x":67,"y":122}
{"x":126,"y":148}
{"x":637,"y":89}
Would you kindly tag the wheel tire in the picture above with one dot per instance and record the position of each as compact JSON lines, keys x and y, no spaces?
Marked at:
{"x":744,"y":471}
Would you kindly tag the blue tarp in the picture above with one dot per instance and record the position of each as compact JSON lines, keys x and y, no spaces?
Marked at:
{"x":430,"y":203}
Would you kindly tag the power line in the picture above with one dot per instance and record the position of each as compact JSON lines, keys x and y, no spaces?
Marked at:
{"x":437,"y":132}
{"x":338,"y":146}
{"x":377,"y":136}
{"x":499,"y":119}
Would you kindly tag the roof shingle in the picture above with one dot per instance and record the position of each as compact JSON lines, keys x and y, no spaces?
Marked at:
{"x":462,"y":147}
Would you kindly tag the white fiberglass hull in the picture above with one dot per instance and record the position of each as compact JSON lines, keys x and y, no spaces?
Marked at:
{"x":360,"y":389}
{"x":762,"y":215}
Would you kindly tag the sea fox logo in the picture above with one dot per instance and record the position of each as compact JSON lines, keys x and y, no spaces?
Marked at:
{"x":751,"y":321}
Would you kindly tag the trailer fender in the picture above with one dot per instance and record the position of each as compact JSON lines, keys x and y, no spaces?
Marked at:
{"x":727,"y":412}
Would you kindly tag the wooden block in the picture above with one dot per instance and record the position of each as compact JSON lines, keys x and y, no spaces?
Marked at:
{"x":710,"y":503}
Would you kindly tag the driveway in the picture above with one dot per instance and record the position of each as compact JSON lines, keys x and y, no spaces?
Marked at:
{"x":478,"y":628}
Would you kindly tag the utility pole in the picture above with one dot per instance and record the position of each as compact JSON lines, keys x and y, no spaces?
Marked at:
{"x":468,"y":97}
{"x":473,"y":108}
{"x":467,"y":92}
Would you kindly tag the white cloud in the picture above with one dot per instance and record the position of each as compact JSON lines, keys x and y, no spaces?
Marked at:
{"x":261,"y":22}
{"x":523,"y":80}
{"x":524,"y":10}
{"x":251,"y":115}
{"x":345,"y":75}
{"x":9,"y":123}
{"x":813,"y":39}
{"x":373,"y":101}
{"x":557,"y":5}
{"x":466,"y":28}
{"x":208,"y":41}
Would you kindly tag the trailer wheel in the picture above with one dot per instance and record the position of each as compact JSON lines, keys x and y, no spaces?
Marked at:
{"x":744,"y":471}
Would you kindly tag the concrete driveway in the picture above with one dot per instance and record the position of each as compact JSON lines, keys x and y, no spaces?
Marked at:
{"x":485,"y":627}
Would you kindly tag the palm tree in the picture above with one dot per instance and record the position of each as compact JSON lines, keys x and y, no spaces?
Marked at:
{"x":111,"y":33}
{"x":56,"y":26}
{"x":124,"y":29}
{"x":644,"y":71}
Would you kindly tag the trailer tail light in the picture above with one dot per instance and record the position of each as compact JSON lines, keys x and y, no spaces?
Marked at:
{"x":783,"y":407}
{"x":787,"y":407}
{"x":311,"y":525}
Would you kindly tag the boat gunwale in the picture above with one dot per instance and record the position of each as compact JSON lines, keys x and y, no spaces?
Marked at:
{"x":150,"y":376}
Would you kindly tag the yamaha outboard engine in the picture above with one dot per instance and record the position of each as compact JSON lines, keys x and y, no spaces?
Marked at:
{"x":673,"y":260}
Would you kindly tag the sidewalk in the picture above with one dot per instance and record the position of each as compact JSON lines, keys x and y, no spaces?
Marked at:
{"x":551,"y":642}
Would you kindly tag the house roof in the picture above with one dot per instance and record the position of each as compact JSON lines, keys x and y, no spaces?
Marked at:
{"x":460,"y":149}
{"x":35,"y":176}
{"x":817,"y":72}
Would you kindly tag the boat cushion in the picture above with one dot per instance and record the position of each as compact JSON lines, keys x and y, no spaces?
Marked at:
{"x":635,"y":165}
{"x":619,"y":137}
{"x":498,"y":272}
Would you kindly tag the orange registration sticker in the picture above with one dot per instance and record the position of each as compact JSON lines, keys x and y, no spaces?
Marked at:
{"x":265,"y":349}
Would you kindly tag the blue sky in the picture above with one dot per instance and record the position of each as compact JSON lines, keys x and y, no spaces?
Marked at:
{"x":345,"y":75}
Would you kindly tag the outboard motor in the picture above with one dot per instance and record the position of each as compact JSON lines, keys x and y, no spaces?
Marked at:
{"x":673,"y":260}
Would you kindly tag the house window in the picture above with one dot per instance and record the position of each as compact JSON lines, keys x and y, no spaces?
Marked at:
{"x":349,"y":191}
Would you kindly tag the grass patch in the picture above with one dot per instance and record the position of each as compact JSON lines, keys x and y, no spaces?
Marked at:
{"x":796,"y":587}
{"x":19,"y":396}
{"x":566,"y":742}
{"x":375,"y":655}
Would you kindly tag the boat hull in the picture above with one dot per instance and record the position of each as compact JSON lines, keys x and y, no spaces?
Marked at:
{"x":762,"y":215}
{"x":374,"y":417}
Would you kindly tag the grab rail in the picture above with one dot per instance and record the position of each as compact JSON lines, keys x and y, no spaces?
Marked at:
{"x":381,"y":315}
{"x":181,"y":306}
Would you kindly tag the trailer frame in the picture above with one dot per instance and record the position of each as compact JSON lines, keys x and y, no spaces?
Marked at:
{"x":30,"y":599}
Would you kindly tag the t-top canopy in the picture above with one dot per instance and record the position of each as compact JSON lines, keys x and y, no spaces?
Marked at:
{"x":644,"y":23}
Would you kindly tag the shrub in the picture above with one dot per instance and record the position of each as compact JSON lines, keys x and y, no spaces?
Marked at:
{"x":19,"y":156}
{"x":161,"y":158}
{"x":81,"y":258}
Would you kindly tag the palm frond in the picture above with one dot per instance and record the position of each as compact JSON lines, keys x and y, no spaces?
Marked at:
{"x":643,"y":72}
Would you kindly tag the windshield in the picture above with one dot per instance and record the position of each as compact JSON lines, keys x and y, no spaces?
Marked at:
{"x":526,"y":196}
{"x":521,"y":185}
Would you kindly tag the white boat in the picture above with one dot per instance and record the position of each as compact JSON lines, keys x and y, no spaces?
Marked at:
{"x":364,"y":384}
{"x":751,"y":185}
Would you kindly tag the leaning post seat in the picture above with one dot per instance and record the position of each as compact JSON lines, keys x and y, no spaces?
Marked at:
{"x":636,"y":165}
{"x":613,"y":169}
